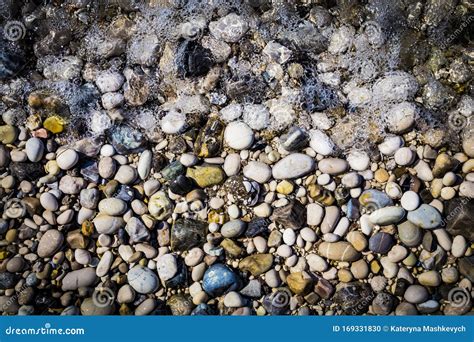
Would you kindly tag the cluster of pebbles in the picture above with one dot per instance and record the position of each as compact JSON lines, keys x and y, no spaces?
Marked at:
{"x":237,"y":158}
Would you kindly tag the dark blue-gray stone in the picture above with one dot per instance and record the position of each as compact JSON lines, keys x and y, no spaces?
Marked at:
{"x":220,"y":279}
{"x":381,"y":242}
{"x":7,"y":280}
{"x":259,"y":226}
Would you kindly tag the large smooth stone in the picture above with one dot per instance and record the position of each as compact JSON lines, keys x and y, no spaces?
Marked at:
{"x":387,"y":215}
{"x":339,"y":251}
{"x":293,"y":166}
{"x":220,"y":279}
{"x":50,"y":242}
{"x":84,"y":277}
{"x":142,"y":279}
{"x":426,"y":217}
{"x":105,"y":224}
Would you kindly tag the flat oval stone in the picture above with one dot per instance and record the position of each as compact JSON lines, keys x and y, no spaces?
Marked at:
{"x":112,"y":206}
{"x":50,"y":242}
{"x":34,"y":149}
{"x":387,"y":215}
{"x":105,"y":224}
{"x":84,"y":277}
{"x":426,"y":217}
{"x":257,"y":171}
{"x":142,"y":279}
{"x":144,"y":164}
{"x":233,"y":228}
{"x":333,"y":166}
{"x":293,"y":166}
{"x":49,"y":201}
{"x":339,"y":251}
{"x":381,"y":242}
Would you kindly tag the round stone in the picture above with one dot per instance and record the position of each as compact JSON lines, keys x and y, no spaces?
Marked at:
{"x":219,"y":279}
{"x":404,"y":156}
{"x":233,"y":228}
{"x":333,"y":166}
{"x":142,"y":279}
{"x":381,"y":242}
{"x":167,"y":266}
{"x":410,"y":200}
{"x":416,"y":294}
{"x":238,"y":135}
{"x":257,"y":171}
{"x":67,"y":159}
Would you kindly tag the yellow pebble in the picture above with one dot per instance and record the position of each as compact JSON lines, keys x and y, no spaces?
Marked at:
{"x":52,"y":168}
{"x":381,"y":175}
{"x":3,"y":255}
{"x":285,"y":187}
{"x":87,"y":228}
{"x":54,"y":124}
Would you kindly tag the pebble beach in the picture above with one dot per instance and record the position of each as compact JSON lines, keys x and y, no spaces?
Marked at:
{"x":236,"y":157}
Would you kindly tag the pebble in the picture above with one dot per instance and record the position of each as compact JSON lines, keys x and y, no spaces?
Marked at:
{"x":142,"y":279}
{"x":167,"y":267}
{"x":144,"y":164}
{"x":387,"y":215}
{"x":416,"y":294}
{"x":459,"y":246}
{"x":410,"y":200}
{"x":67,"y":159}
{"x":238,"y":135}
{"x":233,"y":300}
{"x":257,"y":171}
{"x":112,"y":206}
{"x":404,"y":156}
{"x":338,"y":251}
{"x":293,"y":166}
{"x":314,"y":214}
{"x":233,"y":228}
{"x":333,"y":166}
{"x":49,"y":201}
{"x":391,"y":145}
{"x":50,"y":243}
{"x":126,"y":174}
{"x":84,"y":277}
{"x":425,"y":216}
{"x":381,"y":242}
{"x":34,"y":149}
{"x":220,"y":279}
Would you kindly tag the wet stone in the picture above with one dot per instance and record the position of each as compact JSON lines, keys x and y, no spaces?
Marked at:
{"x":187,"y":233}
